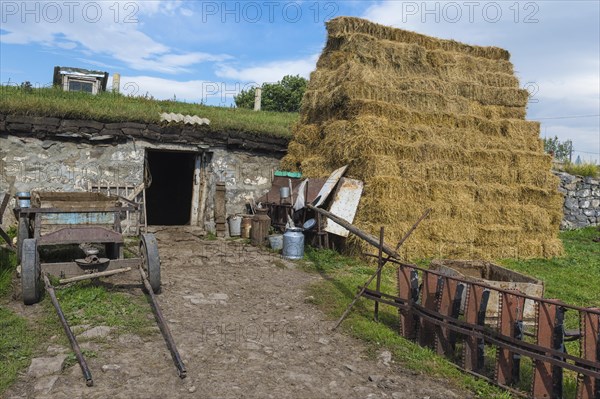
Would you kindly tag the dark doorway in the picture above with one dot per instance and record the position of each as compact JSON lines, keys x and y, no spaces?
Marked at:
{"x":169,"y":198}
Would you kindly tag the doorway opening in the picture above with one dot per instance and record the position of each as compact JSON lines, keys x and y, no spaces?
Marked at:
{"x":169,"y":197}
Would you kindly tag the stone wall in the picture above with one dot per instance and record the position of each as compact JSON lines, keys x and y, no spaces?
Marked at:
{"x":582,"y":201}
{"x":51,"y":154}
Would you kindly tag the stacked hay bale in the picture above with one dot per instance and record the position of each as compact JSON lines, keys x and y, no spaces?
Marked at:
{"x":430,"y":123}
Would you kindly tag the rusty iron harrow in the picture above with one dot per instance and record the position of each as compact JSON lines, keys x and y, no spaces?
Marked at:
{"x":430,"y":314}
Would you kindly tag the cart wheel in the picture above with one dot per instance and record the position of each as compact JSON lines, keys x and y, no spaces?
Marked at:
{"x":114,"y":251}
{"x":22,"y":235}
{"x":30,"y":272}
{"x":150,"y":260}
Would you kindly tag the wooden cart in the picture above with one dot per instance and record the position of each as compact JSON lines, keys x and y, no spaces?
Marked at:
{"x":56,"y":218}
{"x":78,"y":218}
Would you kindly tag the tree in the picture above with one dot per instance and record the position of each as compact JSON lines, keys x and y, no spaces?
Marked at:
{"x":561,"y":150}
{"x":283,"y":96}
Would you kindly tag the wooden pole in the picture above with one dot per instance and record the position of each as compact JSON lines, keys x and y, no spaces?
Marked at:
{"x":380,"y":267}
{"x":360,"y":293}
{"x":355,"y":230}
{"x":382,"y":264}
{"x":93,"y":275}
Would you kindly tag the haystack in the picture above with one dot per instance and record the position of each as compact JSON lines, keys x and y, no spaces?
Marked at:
{"x":433,"y":123}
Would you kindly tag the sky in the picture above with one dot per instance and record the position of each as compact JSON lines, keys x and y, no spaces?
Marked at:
{"x":207,"y":51}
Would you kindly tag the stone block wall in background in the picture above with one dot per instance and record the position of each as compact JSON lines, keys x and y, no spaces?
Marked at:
{"x":582,"y":201}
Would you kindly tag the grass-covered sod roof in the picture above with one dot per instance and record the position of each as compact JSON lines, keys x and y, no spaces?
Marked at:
{"x":109,"y":107}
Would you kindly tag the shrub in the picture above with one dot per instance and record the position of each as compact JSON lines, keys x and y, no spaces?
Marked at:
{"x":585,"y":169}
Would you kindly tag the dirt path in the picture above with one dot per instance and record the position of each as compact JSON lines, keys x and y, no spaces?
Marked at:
{"x":244,"y":329}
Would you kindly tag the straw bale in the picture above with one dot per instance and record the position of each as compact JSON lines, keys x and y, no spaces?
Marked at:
{"x":486,"y":95}
{"x":375,"y":165}
{"x":422,"y":101}
{"x":513,"y":129}
{"x":411,"y":59}
{"x":429,"y":123}
{"x":315,"y":167}
{"x":343,"y":26}
{"x":530,"y":218}
{"x":530,"y":248}
{"x":307,"y":134}
{"x":346,"y":64}
{"x":299,"y":150}
{"x":500,"y":235}
{"x":552,"y":248}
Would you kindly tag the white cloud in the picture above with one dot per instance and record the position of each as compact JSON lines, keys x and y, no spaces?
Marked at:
{"x":95,"y":63}
{"x":578,"y":90}
{"x":107,"y":28}
{"x":269,"y":72}
{"x":66,"y":45}
{"x":464,"y":21}
{"x":196,"y":91}
{"x":186,"y":12}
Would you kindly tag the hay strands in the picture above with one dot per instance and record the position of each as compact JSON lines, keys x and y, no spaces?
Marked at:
{"x":381,"y":263}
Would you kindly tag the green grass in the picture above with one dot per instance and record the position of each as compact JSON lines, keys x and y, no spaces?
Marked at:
{"x":585,"y":169}
{"x":110,"y":107}
{"x":8,"y":263}
{"x":17,"y":341}
{"x":573,"y":278}
{"x":88,"y":303}
{"x":210,"y":236}
{"x":17,"y":345}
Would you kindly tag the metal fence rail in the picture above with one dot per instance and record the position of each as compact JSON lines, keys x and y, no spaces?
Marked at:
{"x":447,"y":314}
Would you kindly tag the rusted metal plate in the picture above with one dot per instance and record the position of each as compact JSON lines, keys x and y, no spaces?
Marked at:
{"x":408,"y":290}
{"x":475,"y":309}
{"x":588,"y":387}
{"x":510,"y":313}
{"x":274,"y":195}
{"x":77,"y":235}
{"x":329,"y":185}
{"x":497,"y":277}
{"x":344,"y":204}
{"x":429,"y":299}
{"x":542,"y":373}
{"x":448,"y":307}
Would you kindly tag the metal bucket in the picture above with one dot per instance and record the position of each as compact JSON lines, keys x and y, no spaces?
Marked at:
{"x":284,"y":192}
{"x":293,"y":244}
{"x":24,"y":199}
{"x":235,"y":225}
